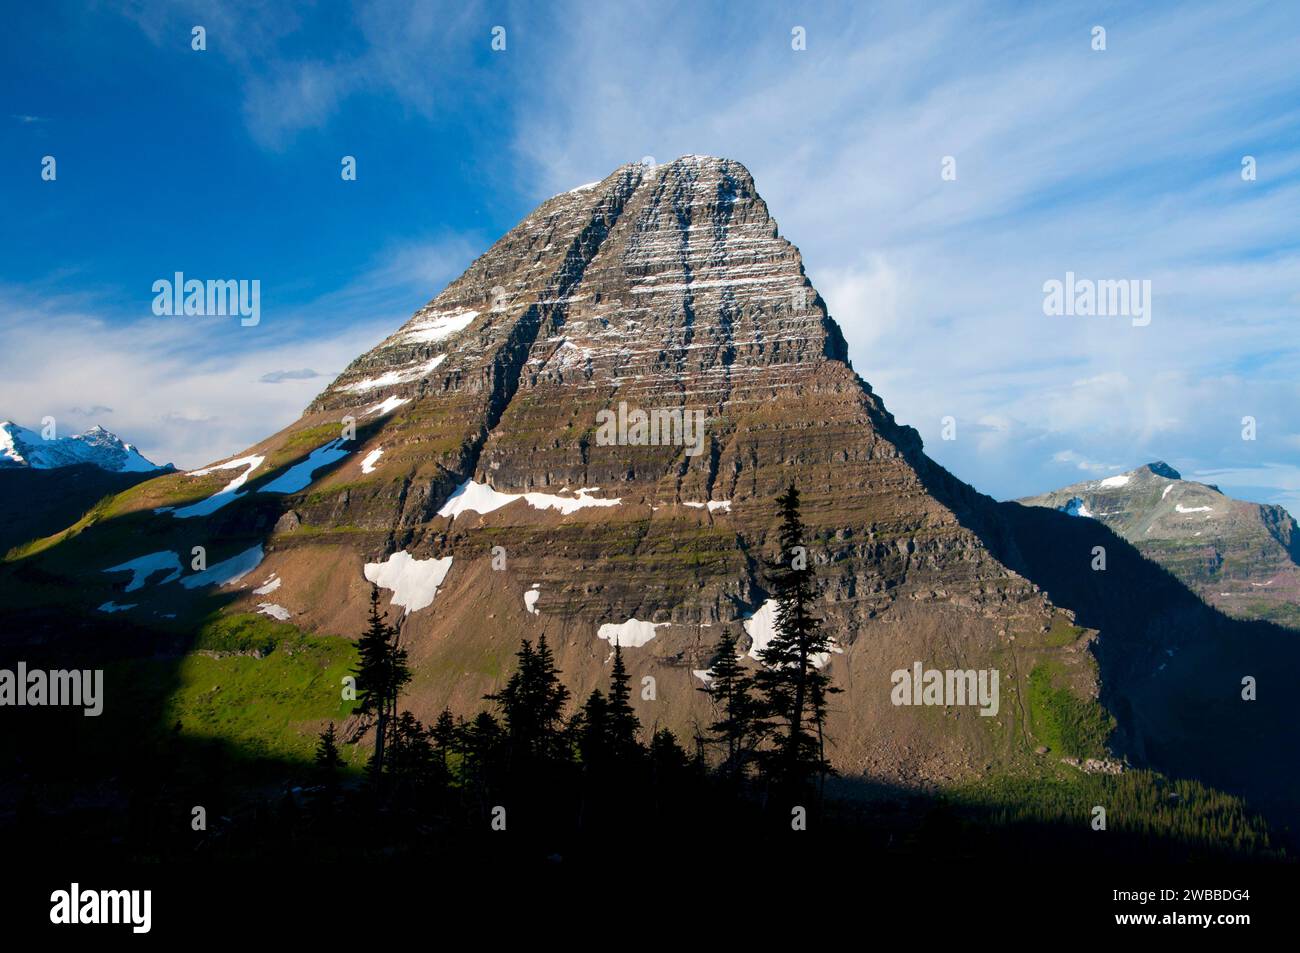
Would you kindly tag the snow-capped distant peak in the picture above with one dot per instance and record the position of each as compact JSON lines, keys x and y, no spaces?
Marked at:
{"x":20,"y":447}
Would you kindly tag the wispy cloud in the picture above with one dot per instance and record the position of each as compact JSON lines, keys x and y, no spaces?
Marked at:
{"x":279,"y":377}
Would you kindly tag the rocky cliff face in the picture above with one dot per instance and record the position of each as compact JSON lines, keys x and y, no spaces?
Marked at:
{"x":487,"y":466}
{"x":1242,"y":557}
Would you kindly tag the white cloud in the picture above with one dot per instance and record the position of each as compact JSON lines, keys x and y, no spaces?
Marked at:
{"x":189,"y":390}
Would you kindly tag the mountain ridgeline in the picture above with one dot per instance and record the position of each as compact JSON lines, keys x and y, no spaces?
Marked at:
{"x":1241,"y":557}
{"x":460,"y":465}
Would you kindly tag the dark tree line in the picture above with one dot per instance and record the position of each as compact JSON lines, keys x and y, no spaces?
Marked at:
{"x":536,"y":764}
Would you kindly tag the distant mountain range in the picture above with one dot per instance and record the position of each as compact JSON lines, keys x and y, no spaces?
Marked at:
{"x":46,"y":485}
{"x":1243,"y":558}
{"x":20,"y":447}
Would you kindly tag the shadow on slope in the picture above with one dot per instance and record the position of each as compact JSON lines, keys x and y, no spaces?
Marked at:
{"x":1172,"y":667}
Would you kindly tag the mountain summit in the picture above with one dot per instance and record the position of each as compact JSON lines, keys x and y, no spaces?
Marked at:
{"x":1242,"y":557}
{"x":583,"y":437}
{"x":20,"y":447}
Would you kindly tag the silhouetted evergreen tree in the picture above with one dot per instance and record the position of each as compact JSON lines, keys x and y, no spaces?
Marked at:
{"x":532,"y":705}
{"x":623,"y":725}
{"x":792,"y":686}
{"x":481,"y":742}
{"x":381,"y":673}
{"x":740,"y":727}
{"x":328,"y":760}
{"x":590,"y":729}
{"x":443,"y":735}
{"x":411,"y":756}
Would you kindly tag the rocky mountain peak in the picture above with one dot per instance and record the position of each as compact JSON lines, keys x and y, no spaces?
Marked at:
{"x":21,"y":447}
{"x":676,"y":269}
{"x":1160,"y":468}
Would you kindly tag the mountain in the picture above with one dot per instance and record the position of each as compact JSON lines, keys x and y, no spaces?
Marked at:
{"x":47,"y":484}
{"x":1242,"y":557}
{"x":489,"y":467}
{"x":20,"y":447}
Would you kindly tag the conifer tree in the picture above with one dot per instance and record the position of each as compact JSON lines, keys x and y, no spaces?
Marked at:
{"x":328,"y":759}
{"x":623,"y":723}
{"x":793,"y":686}
{"x":740,"y":727}
{"x":532,"y":704}
{"x":443,"y":735}
{"x":381,"y":674}
{"x":480,"y":743}
{"x":590,"y":728}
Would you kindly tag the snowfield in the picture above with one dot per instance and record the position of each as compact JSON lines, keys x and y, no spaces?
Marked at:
{"x":761,"y":628}
{"x":1076,"y":507}
{"x":269,"y":586}
{"x":142,"y":567}
{"x":228,"y":571}
{"x":223,"y":496}
{"x":387,"y":406}
{"x":630,"y":634}
{"x":299,"y":476}
{"x":444,"y":325}
{"x":713,"y":505}
{"x":481,"y":498}
{"x":389,"y":378}
{"x":414,"y":582}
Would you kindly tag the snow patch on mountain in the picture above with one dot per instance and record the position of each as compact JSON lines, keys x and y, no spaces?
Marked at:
{"x":475,"y":497}
{"x":274,"y":611}
{"x":112,"y":606}
{"x":1120,"y":480}
{"x":761,"y":628}
{"x":269,"y":585}
{"x":223,"y":496}
{"x":299,"y":476}
{"x":414,"y":582}
{"x":1076,"y":507}
{"x":368,"y":464}
{"x":1192,"y":509}
{"x":389,"y":378}
{"x":387,"y":406}
{"x":142,"y":567}
{"x":713,"y":505}
{"x":530,"y":599}
{"x":630,"y":634}
{"x":444,"y":325}
{"x":227,"y":571}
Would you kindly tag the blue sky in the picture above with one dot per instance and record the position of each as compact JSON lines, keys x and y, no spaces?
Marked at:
{"x":1115,"y":164}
